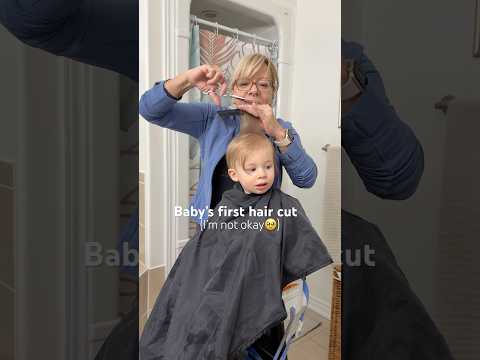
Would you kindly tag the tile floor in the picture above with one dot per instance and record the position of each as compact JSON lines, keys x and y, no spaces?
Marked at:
{"x":313,"y":345}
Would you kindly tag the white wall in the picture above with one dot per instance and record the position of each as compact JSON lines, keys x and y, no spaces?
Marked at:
{"x":417,"y":73}
{"x":315,"y":113}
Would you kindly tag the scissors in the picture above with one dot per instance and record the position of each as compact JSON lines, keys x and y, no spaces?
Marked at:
{"x":229,"y":95}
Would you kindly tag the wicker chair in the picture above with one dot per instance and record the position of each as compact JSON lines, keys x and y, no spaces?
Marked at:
{"x":335,"y":342}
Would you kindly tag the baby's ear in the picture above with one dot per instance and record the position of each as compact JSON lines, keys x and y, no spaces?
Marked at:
{"x":233,"y":174}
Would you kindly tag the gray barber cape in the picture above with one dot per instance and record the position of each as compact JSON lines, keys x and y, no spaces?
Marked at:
{"x":224,"y":290}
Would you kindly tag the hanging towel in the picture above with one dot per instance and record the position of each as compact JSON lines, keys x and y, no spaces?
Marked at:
{"x":458,"y":287}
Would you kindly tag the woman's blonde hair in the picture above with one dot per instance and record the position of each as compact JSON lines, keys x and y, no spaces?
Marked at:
{"x":250,"y":65}
{"x":243,"y":145}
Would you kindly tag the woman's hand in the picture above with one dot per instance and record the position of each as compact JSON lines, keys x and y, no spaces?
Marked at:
{"x":268,"y":122}
{"x":205,"y":77}
{"x":208,"y":78}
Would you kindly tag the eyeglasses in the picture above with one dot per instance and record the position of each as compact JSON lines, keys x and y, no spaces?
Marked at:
{"x":246,"y":84}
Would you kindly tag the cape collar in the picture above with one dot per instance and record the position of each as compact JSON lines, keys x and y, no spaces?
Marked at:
{"x":237,"y":196}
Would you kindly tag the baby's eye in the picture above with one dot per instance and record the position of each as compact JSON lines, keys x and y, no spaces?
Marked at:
{"x":251,"y":169}
{"x":269,"y":167}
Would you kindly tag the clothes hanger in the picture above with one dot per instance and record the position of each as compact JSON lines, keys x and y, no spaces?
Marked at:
{"x":229,"y":94}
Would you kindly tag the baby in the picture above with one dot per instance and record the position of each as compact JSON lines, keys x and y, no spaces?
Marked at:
{"x":251,"y":162}
{"x":225,"y":289}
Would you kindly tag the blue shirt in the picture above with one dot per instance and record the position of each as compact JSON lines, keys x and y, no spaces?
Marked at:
{"x":214,"y":132}
{"x":384,"y":150}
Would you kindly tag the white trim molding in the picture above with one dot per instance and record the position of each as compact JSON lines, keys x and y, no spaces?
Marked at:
{"x":164,"y":149}
{"x":320,"y":306}
{"x":78,"y":193}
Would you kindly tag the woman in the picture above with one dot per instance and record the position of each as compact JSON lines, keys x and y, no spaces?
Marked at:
{"x":255,"y":79}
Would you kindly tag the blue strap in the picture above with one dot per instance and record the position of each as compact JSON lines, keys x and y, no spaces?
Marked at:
{"x":253,"y":354}
{"x":283,"y":354}
{"x":279,"y":354}
{"x":282,"y":349}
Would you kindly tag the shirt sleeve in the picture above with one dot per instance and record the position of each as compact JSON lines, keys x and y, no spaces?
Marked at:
{"x":100,"y":33}
{"x":303,"y":252}
{"x":161,"y":108}
{"x":299,"y":165}
{"x":384,"y":150}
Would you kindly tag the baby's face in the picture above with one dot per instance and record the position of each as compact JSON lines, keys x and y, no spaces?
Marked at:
{"x":257,"y":174}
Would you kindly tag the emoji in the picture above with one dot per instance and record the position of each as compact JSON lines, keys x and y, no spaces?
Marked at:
{"x":270,"y":224}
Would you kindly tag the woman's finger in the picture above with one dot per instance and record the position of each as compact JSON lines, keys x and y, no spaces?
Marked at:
{"x":223,"y":88}
{"x":215,"y":98}
{"x":207,"y":70}
{"x":218,"y":78}
{"x":210,"y":89}
{"x":211,"y":72}
{"x":249,"y":108}
{"x":255,"y":108}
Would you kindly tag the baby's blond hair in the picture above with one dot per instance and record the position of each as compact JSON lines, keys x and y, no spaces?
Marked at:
{"x":243,"y":145}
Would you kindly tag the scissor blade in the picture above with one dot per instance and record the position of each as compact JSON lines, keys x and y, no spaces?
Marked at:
{"x":239,"y":97}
